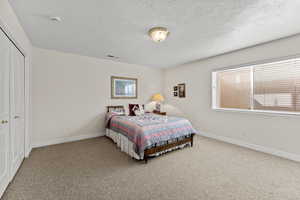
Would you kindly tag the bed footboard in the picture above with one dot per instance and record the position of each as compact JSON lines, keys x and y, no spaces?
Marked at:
{"x":157,"y":149}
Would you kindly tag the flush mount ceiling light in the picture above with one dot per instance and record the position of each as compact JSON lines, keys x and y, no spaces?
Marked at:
{"x":112,"y":56}
{"x":55,"y":19}
{"x":158,"y":34}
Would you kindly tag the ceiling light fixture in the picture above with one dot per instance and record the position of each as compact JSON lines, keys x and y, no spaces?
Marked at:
{"x":112,"y":56}
{"x":55,"y":19}
{"x":158,"y":34}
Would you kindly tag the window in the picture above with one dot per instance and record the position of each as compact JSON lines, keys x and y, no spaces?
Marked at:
{"x":265,"y":87}
{"x":234,"y":88}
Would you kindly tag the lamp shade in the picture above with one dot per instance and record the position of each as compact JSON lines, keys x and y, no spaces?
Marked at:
{"x":158,"y":97}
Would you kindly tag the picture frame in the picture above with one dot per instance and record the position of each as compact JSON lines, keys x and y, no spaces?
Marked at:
{"x":175,"y":93}
{"x":181,"y":90}
{"x":124,"y":88}
{"x":175,"y":88}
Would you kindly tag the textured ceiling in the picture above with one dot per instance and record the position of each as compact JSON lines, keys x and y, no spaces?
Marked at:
{"x":199,"y":28}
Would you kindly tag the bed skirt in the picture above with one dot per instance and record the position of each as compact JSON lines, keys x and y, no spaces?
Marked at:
{"x":128,"y":147}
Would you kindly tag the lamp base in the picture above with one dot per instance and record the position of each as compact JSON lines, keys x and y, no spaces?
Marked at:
{"x":157,"y":107}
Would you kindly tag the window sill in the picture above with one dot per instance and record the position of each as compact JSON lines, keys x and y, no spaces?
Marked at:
{"x":263,"y":112}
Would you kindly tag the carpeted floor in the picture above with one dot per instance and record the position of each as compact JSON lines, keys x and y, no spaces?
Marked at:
{"x":95,"y":169}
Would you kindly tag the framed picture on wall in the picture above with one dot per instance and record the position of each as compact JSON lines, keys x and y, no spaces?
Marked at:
{"x":175,"y":94}
{"x":123,"y":87}
{"x":181,"y":90}
{"x":175,"y":88}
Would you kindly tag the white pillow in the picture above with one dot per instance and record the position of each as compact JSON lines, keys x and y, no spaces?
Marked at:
{"x":126,"y":110}
{"x":140,"y":111}
{"x":141,"y":107}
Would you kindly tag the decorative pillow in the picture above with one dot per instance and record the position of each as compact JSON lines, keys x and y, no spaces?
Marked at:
{"x":133,"y":107}
{"x":137,"y":112}
{"x":140,"y":111}
{"x":131,"y":111}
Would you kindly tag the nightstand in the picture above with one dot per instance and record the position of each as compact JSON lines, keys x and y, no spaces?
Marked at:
{"x":159,"y":113}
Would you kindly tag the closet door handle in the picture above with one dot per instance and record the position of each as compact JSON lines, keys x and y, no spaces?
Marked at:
{"x":16,"y":117}
{"x":4,"y":122}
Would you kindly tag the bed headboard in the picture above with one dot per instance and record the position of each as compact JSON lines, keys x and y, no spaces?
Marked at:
{"x":115,"y":108}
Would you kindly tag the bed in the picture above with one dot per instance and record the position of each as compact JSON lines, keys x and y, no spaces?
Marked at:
{"x":148,"y":135}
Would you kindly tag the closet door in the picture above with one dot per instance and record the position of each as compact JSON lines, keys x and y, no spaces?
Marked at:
{"x":17,"y":109}
{"x":4,"y":112}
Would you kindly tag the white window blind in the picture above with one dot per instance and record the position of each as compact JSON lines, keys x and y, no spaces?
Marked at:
{"x":271,"y":86}
{"x":234,"y":88}
{"x":276,"y":86}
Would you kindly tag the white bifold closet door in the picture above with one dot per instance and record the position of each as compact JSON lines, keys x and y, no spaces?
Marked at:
{"x":17,"y":109}
{"x":4,"y":112}
{"x":12,"y":122}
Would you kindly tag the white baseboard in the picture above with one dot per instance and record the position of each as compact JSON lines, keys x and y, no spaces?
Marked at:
{"x":66,"y":139}
{"x":27,"y":153}
{"x":276,"y":152}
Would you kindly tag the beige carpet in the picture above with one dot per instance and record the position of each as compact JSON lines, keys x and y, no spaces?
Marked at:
{"x":95,"y":169}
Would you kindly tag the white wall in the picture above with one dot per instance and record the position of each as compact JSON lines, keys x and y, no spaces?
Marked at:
{"x":273,"y":131}
{"x":70,"y":93}
{"x":10,"y":23}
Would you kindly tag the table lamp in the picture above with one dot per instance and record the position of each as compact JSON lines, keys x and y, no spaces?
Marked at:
{"x":158,"y":98}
